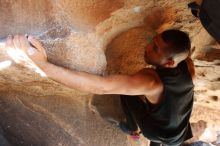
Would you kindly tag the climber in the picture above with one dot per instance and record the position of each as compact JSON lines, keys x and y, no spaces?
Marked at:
{"x":157,"y":100}
{"x":208,"y":13}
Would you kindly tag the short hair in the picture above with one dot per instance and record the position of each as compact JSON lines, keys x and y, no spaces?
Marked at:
{"x":178,"y":41}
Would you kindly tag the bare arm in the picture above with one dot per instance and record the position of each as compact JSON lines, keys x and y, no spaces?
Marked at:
{"x":145,"y":82}
{"x":141,"y":83}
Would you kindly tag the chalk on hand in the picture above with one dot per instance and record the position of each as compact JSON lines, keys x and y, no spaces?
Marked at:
{"x":31,"y":51}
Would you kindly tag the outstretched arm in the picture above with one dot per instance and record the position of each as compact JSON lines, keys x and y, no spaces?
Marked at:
{"x":137,"y":84}
{"x":145,"y":82}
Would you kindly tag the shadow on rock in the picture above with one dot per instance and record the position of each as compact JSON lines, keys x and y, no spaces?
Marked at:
{"x":108,"y":107}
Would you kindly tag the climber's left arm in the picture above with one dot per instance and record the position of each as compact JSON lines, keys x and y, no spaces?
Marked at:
{"x":145,"y":82}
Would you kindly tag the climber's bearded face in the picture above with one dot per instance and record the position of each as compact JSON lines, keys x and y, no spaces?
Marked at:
{"x":155,"y":51}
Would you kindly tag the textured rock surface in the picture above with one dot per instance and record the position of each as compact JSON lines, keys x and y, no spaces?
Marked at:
{"x":100,"y":37}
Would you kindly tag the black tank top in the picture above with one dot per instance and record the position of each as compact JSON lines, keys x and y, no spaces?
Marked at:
{"x":168,"y":122}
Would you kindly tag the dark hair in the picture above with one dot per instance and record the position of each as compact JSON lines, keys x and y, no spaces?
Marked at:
{"x":178,"y":41}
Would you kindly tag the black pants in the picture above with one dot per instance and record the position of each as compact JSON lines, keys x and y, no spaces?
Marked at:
{"x":134,"y":109}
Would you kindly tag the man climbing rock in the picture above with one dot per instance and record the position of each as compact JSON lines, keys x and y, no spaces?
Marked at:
{"x":157,"y":100}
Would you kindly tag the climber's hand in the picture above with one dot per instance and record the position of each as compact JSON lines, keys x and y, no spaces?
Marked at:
{"x":37,"y":52}
{"x":25,"y":50}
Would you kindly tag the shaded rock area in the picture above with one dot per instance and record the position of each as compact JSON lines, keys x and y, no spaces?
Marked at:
{"x":99,"y":37}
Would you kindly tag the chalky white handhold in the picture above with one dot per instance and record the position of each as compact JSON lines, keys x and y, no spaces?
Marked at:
{"x":5,"y":64}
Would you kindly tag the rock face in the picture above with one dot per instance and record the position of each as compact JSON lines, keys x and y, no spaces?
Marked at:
{"x":99,"y":37}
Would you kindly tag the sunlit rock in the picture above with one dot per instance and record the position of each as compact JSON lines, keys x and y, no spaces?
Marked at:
{"x":99,"y":37}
